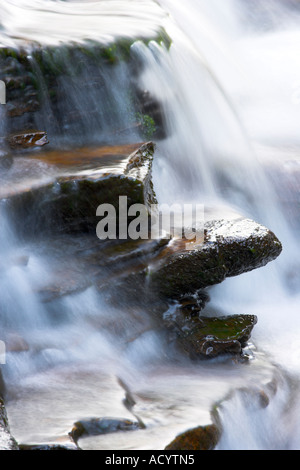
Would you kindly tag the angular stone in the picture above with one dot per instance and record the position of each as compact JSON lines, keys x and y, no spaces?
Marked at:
{"x":28,"y":140}
{"x":69,"y":203}
{"x":230,"y":248}
{"x":205,"y":337}
{"x":139,"y":167}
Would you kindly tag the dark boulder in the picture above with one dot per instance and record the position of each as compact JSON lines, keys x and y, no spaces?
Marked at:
{"x":230,"y":248}
{"x":68,"y":204}
{"x":200,"y":438}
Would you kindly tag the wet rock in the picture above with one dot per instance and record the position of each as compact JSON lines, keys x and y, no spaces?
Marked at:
{"x":191,"y":306}
{"x":39,"y":78}
{"x":15,"y":343}
{"x":151,"y":108}
{"x":62,"y":287}
{"x":129,"y":252}
{"x":18,"y":108}
{"x":200,"y":438}
{"x":28,"y":140}
{"x":15,"y":82}
{"x":230,"y":248}
{"x":47,"y":447}
{"x":139,"y":167}
{"x":250,"y":400}
{"x":264,"y":399}
{"x":7,"y":442}
{"x":2,"y":386}
{"x":204,"y":337}
{"x":129,"y":403}
{"x":69,"y":203}
{"x":254,"y":397}
{"x":98,"y":426}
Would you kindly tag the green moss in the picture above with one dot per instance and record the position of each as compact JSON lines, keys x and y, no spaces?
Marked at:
{"x":110,"y":54}
{"x":224,"y":328}
{"x":148,"y":125}
{"x":120,"y":49}
{"x":164,"y":39}
{"x":203,"y":337}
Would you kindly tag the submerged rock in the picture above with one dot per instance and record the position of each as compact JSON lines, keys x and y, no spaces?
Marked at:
{"x":15,"y":343}
{"x":230,"y":248}
{"x":201,"y":438}
{"x":98,"y":426}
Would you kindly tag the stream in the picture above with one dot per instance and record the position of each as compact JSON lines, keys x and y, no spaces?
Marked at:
{"x":229,"y":88}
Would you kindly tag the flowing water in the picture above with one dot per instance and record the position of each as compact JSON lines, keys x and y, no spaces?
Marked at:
{"x":229,"y":88}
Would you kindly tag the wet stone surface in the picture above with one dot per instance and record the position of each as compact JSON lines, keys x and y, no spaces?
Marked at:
{"x":7,"y":442}
{"x":230,"y":248}
{"x":201,"y":438}
{"x":99,"y":426}
{"x":203,"y":337}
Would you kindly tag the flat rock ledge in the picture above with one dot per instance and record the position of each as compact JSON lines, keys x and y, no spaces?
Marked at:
{"x":68,"y":204}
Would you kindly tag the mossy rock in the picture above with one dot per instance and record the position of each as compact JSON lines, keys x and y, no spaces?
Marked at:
{"x":200,"y":438}
{"x":204,"y":337}
{"x":38,"y":79}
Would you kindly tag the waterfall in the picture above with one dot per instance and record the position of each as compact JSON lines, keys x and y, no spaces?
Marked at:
{"x":231,"y":114}
{"x":223,"y":148}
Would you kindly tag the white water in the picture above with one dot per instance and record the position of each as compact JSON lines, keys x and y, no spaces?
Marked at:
{"x":258,"y":73}
{"x":227,"y":95}
{"x":55,"y":22}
